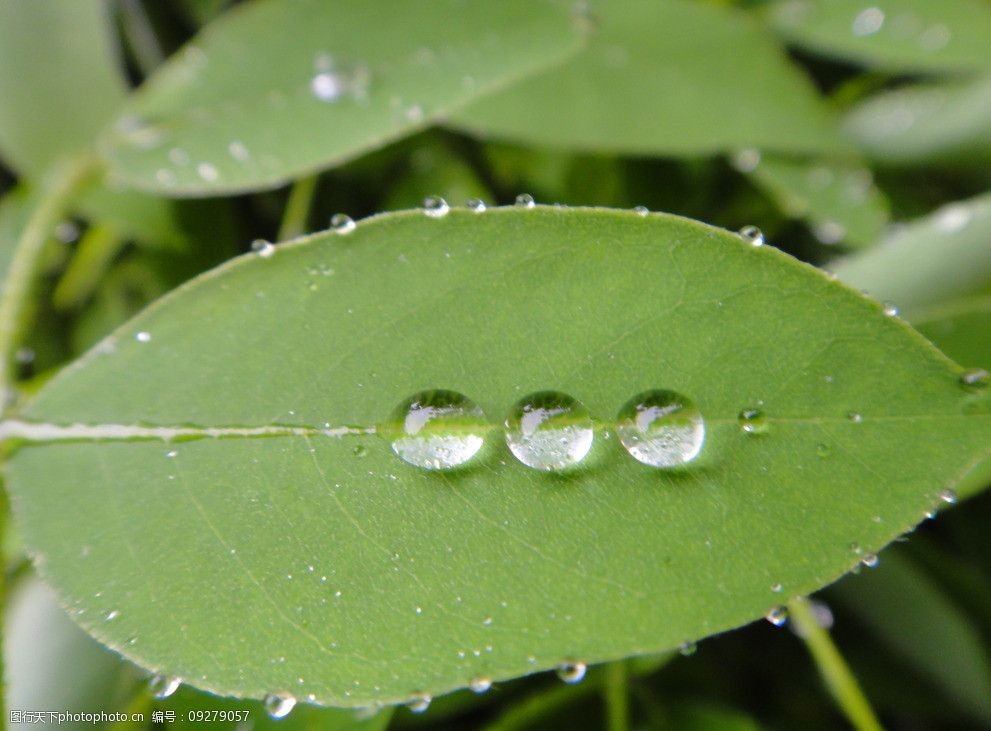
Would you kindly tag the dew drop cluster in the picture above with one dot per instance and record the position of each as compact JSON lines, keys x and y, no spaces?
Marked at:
{"x":548,"y":431}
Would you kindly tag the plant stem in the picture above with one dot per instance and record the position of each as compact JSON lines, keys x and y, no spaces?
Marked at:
{"x":65,"y":181}
{"x":616,"y":695}
{"x":298,"y":208}
{"x":833,"y":668}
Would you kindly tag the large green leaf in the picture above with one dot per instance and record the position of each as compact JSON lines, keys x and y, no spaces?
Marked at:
{"x":903,"y":35}
{"x":59,"y":80}
{"x":324,"y":566}
{"x":669,"y":78}
{"x":277,"y":88}
{"x":948,"y":122}
{"x":940,"y":257}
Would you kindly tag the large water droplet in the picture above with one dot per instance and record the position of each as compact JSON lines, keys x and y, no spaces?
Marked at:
{"x":642,"y":211}
{"x":549,"y":430}
{"x":477,"y":205}
{"x":263,"y":248}
{"x":525,"y":200}
{"x":341,"y":223}
{"x":278,"y":705}
{"x":436,"y":430}
{"x":753,"y":421}
{"x":163,"y":686}
{"x":435,"y":206}
{"x":661,"y":428}
{"x":419,"y":703}
{"x":571,"y":672}
{"x":752,"y":235}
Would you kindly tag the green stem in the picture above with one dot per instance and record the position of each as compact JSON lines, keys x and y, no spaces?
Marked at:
{"x":298,"y":208}
{"x":616,"y":695}
{"x":834,"y":670}
{"x":96,"y":250}
{"x":55,"y":198}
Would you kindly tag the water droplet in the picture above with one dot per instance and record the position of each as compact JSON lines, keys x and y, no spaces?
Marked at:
{"x":238,"y":151}
{"x":752,"y":235}
{"x":171,"y":453}
{"x":641,"y":210}
{"x":753,"y":421}
{"x":549,"y":430}
{"x":525,"y":200}
{"x":207,"y":171}
{"x":327,"y":86}
{"x":163,"y":686}
{"x":855,"y":417}
{"x":435,"y":207}
{"x":661,"y":428}
{"x":868,"y":21}
{"x":571,"y":672}
{"x":935,"y":37}
{"x":360,"y":451}
{"x":112,"y":615}
{"x":948,"y":496}
{"x":165,"y":177}
{"x":870,"y":560}
{"x":746,"y":161}
{"x":436,"y":430}
{"x":67,"y":232}
{"x":178,"y":156}
{"x":777,"y":616}
{"x":341,"y":223}
{"x":419,"y":703}
{"x":143,"y":337}
{"x":974,"y":378}
{"x":480,"y":684}
{"x":278,"y":705}
{"x":687,"y":649}
{"x":477,"y":205}
{"x":777,"y":588}
{"x":890,"y":310}
{"x":263,"y":248}
{"x":823,"y":450}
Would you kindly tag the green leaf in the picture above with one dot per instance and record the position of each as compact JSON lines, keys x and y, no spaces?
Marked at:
{"x":59,"y":79}
{"x":904,"y":608}
{"x":326,"y":558}
{"x":839,"y":199}
{"x":900,"y":35}
{"x":945,"y":122}
{"x":277,"y":88}
{"x":671,"y":78}
{"x":961,"y":329}
{"x":941,"y":257}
